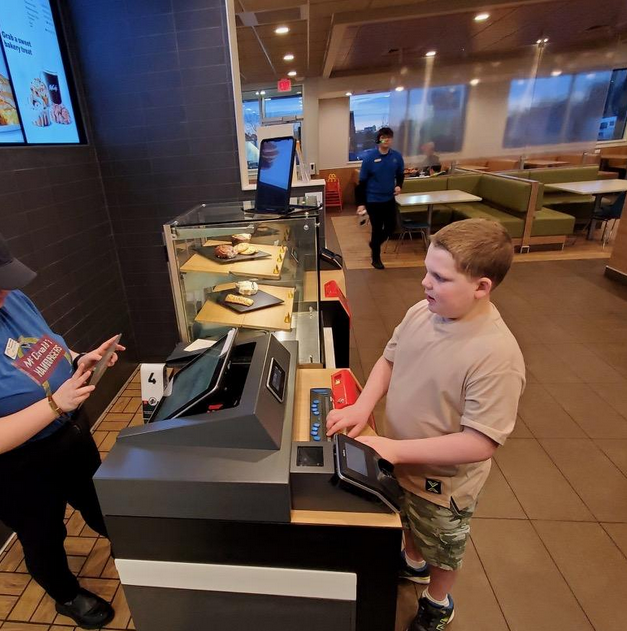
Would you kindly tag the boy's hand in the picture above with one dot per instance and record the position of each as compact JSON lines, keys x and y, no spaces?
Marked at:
{"x":385,"y":447}
{"x":349,"y":417}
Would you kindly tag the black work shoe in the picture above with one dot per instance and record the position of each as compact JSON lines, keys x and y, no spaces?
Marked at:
{"x":377,"y":264}
{"x":87,"y":610}
{"x":432,"y":617}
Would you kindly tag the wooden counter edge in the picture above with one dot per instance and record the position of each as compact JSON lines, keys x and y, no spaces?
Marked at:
{"x":335,"y":518}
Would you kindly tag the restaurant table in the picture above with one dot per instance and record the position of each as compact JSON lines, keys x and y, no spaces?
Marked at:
{"x":604,"y":159}
{"x":472,"y":167}
{"x":598,"y":188}
{"x":535,"y":164}
{"x":429,"y":199}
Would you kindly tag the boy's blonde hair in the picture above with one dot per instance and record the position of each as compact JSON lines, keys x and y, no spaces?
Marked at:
{"x":479,"y":247}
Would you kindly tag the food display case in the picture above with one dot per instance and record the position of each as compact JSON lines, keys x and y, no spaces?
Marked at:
{"x":213,"y":249}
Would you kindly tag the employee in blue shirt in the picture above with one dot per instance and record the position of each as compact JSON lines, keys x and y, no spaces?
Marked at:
{"x":46,"y":459}
{"x":381,"y":178}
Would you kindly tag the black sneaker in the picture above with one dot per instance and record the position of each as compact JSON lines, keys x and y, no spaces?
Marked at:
{"x":377,"y":264}
{"x":87,"y":610}
{"x":432,"y":617}
{"x":407,"y":572}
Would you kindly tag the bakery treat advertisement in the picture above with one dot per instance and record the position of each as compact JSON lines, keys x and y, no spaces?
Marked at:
{"x":36,"y":68}
{"x":10,"y":128}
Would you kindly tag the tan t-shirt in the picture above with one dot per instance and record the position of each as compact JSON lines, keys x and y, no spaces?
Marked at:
{"x":447,"y":375}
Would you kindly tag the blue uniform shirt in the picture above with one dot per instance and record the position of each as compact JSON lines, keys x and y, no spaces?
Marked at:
{"x":381,"y":173}
{"x":34,"y":367}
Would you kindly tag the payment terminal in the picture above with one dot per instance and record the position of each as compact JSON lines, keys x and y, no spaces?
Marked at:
{"x":342,"y":475}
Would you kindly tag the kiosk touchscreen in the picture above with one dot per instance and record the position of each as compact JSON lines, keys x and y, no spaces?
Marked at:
{"x":274,"y":176}
{"x":197,"y":381}
{"x":360,"y":468}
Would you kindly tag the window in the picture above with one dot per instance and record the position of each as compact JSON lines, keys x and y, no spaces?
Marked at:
{"x":267,"y":107}
{"x":615,"y":112}
{"x":368,"y":112}
{"x":554,"y":110}
{"x":252,"y":120}
{"x":280,"y":106}
{"x":435,"y":115}
{"x":417,"y":116}
{"x":36,"y":94}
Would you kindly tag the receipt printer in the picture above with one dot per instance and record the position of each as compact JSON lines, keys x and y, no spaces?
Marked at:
{"x":342,"y":475}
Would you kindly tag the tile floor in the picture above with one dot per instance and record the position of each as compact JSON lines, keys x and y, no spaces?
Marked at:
{"x":549,"y":542}
{"x":23,"y":604}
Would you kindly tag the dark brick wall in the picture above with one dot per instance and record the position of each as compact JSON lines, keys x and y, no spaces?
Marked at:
{"x":54,"y":214}
{"x":158,"y":83}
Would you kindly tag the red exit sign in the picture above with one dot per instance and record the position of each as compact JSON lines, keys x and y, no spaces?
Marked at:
{"x":284,"y":85}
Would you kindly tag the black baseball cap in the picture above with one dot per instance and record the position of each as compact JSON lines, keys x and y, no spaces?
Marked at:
{"x":13,"y":273}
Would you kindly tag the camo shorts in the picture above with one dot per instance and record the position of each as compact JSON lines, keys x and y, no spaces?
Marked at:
{"x":439,"y":533}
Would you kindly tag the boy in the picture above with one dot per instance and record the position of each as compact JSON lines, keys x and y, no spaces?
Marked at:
{"x":453,"y":374}
{"x":380,"y":179}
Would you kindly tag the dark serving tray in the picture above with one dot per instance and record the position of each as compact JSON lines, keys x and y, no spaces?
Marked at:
{"x":262,"y":300}
{"x":208,"y":251}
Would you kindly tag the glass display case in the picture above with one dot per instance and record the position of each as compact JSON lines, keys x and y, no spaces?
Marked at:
{"x":212,"y":248}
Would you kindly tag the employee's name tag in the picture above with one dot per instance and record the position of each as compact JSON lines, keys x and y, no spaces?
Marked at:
{"x":11,"y":348}
{"x":377,"y":159}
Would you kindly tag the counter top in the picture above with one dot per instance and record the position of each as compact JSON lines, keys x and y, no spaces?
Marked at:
{"x":307,"y":378}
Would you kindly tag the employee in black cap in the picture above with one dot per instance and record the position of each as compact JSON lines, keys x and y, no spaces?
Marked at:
{"x":46,"y":460}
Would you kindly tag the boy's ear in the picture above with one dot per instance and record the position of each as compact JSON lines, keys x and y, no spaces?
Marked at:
{"x":484,"y":286}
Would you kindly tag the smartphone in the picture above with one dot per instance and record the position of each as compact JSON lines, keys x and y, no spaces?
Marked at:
{"x":99,"y":369}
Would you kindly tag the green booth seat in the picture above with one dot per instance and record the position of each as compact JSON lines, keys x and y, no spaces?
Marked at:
{"x":546,"y":223}
{"x":424,"y":184}
{"x":549,"y":223}
{"x":477,"y":210}
{"x":467,"y":183}
{"x":565,"y":174}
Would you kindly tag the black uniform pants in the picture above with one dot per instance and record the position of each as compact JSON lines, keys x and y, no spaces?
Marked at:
{"x":383,"y":221}
{"x":37,"y":481}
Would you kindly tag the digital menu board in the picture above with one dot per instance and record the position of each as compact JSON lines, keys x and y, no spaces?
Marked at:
{"x":37,"y":72}
{"x":10,"y":127}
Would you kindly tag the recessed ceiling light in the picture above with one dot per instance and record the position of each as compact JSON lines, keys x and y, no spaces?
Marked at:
{"x":545,"y":40}
{"x":431,"y":53}
{"x":288,"y":57}
{"x":542,"y":40}
{"x":399,"y":88}
{"x":282,"y":30}
{"x":474,"y":82}
{"x":481,"y":17}
{"x":262,"y":92}
{"x":257,"y":93}
{"x":292,"y":73}
{"x":556,"y":73}
{"x":349,"y":94}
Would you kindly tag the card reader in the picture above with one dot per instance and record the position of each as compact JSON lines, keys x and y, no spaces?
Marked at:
{"x":342,"y":475}
{"x":360,"y":469}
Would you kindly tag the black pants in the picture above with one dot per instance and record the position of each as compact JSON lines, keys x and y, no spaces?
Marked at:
{"x":383,"y":221}
{"x":37,"y":481}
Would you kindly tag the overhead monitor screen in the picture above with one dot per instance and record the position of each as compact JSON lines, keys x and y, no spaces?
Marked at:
{"x":32,"y":56}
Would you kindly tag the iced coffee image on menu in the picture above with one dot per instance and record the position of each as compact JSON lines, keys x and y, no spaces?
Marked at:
{"x":58,"y":112}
